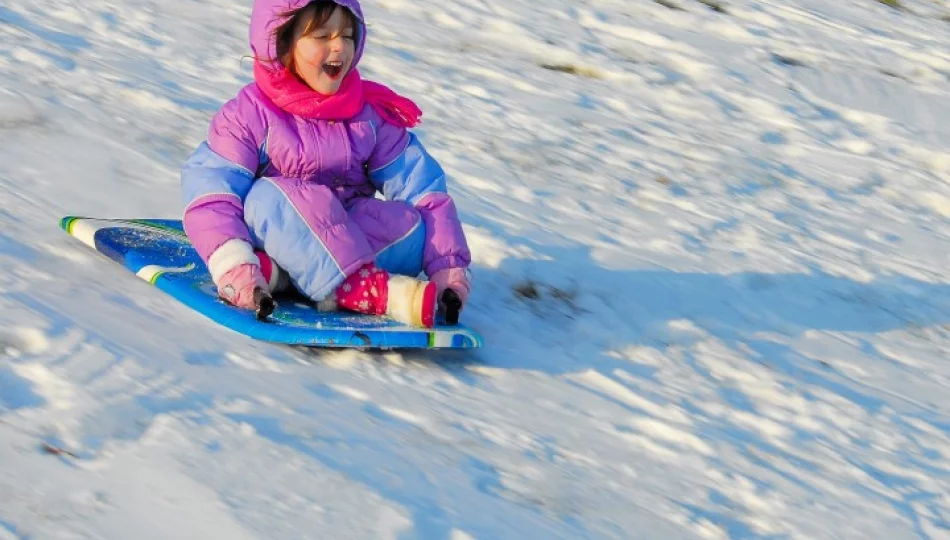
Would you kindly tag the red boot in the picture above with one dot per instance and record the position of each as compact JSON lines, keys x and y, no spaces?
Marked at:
{"x":275,"y":276}
{"x":375,"y":292}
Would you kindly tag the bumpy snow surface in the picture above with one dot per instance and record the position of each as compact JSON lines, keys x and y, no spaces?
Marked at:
{"x":711,"y":251}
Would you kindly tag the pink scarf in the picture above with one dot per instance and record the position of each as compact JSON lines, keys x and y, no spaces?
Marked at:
{"x":294,"y":96}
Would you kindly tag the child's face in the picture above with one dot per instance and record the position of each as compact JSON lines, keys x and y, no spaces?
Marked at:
{"x":324,"y":56}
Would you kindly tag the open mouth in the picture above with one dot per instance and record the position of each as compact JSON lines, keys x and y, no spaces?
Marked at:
{"x":333,"y":69}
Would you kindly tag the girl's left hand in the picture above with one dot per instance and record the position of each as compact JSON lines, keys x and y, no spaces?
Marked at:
{"x":455,"y":279}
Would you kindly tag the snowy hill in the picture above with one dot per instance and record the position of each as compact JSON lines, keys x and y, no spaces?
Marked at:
{"x":711,"y":245}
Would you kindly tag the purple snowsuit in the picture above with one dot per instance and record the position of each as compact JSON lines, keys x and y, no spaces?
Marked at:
{"x":303,"y":190}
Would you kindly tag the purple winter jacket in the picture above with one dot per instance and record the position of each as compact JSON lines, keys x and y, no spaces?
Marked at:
{"x":303,"y":190}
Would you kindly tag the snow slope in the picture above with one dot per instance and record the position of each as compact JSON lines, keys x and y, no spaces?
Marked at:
{"x":710,"y":269}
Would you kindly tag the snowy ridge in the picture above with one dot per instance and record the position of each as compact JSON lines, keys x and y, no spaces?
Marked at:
{"x":711,"y":250}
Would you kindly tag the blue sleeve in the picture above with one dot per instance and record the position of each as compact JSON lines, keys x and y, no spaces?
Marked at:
{"x":207,"y":173}
{"x":411,"y":176}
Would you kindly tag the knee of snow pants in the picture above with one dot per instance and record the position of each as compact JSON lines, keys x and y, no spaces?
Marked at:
{"x":308,"y":233}
{"x":395,"y":232}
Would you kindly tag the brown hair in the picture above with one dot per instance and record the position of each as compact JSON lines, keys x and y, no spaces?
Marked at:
{"x":315,"y":14}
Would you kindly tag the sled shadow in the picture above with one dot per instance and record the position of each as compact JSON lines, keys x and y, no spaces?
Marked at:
{"x":560,"y":315}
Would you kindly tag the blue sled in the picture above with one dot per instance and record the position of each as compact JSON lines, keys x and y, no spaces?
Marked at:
{"x":158,"y":251}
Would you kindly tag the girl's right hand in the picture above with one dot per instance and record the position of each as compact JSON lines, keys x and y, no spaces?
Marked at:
{"x":238,"y":286}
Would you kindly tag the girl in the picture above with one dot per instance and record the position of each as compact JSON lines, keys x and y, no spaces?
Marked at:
{"x":284,"y":185}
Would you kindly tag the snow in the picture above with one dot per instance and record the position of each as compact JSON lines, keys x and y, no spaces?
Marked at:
{"x":710,"y":252}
